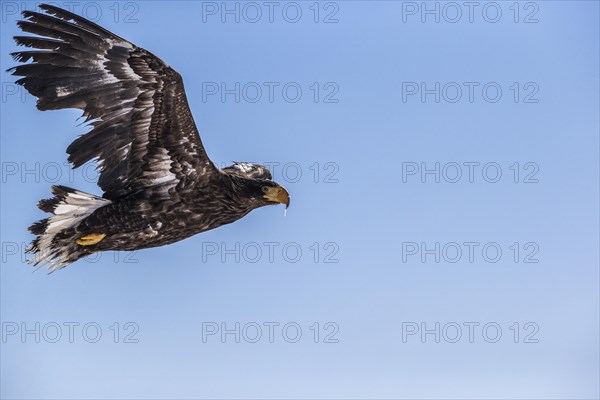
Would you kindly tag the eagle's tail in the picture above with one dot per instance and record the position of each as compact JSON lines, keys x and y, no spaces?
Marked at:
{"x":55,"y":243}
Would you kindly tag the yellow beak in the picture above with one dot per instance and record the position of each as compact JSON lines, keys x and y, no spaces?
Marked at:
{"x":278,"y":194}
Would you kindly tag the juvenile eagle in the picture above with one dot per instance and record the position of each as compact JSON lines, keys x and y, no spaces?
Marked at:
{"x":158,"y":184}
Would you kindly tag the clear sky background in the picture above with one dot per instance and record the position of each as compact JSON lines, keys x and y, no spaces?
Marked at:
{"x":354,"y":260}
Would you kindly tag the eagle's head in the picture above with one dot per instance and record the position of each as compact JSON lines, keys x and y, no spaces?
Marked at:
{"x":273,"y":193}
{"x":261,"y":192}
{"x":255,"y":187}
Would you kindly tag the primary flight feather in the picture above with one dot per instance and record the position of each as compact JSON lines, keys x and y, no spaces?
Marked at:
{"x":159,"y":184}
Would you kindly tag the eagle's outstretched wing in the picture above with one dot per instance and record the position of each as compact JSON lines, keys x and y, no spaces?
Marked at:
{"x":143,"y":132}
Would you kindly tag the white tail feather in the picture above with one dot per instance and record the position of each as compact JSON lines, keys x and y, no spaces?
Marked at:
{"x":69,"y":207}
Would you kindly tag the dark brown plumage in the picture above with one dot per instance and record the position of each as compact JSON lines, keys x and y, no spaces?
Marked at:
{"x":159,"y":184}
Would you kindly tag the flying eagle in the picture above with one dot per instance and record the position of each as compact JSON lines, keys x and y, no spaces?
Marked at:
{"x":159,"y":186}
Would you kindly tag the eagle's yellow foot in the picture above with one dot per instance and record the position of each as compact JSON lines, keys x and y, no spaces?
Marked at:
{"x":92,"y":239}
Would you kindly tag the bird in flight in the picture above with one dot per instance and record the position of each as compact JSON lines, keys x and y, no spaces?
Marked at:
{"x":159,"y":186}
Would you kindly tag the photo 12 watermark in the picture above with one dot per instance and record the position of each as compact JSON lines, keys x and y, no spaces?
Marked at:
{"x":470,"y":332}
{"x":270,"y":332}
{"x":69,"y":332}
{"x":16,"y":252}
{"x":326,"y":252}
{"x":271,"y":12}
{"x":126,"y":12}
{"x":470,"y":252}
{"x":430,"y":172}
{"x":470,"y":92}
{"x":270,"y":92}
{"x":470,"y":12}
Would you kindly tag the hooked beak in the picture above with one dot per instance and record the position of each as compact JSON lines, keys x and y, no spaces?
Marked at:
{"x":278,"y":194}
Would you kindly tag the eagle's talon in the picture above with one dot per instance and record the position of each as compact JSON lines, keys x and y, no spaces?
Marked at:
{"x":90,"y":240}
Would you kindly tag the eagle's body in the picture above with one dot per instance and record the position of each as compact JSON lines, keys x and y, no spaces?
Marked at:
{"x":159,"y":184}
{"x":156,"y":218}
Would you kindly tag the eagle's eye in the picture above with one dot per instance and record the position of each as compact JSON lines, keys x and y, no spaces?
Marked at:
{"x":265,"y":189}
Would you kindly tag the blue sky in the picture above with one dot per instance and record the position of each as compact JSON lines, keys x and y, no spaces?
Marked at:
{"x":444,"y":180}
